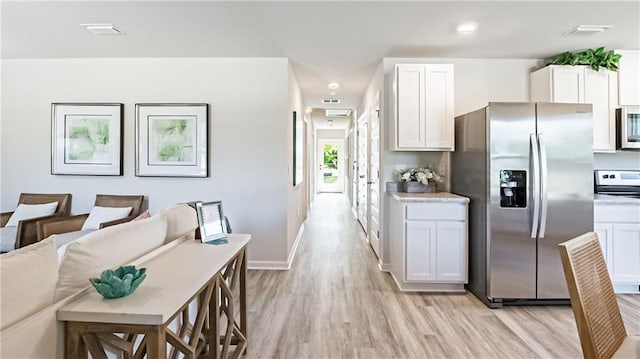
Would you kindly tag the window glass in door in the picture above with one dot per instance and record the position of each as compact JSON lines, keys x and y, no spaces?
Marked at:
{"x":331,"y":168}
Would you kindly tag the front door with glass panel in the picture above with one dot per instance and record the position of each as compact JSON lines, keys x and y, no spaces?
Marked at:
{"x":330,"y":165}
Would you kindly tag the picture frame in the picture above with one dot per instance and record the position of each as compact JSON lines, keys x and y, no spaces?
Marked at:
{"x":172,"y":140}
{"x":211,"y":222}
{"x":86,"y":139}
{"x":298,"y":149}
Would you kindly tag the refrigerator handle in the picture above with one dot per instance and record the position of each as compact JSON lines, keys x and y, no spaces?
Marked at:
{"x":543,"y":185}
{"x":535,"y":180}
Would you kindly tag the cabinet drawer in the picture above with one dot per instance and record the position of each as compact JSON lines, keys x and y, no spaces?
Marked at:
{"x":620,"y":213}
{"x":437,"y":211}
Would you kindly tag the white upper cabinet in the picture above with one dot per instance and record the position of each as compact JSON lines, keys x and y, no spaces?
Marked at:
{"x":629,"y":78}
{"x":580,"y":84}
{"x":423,"y":99}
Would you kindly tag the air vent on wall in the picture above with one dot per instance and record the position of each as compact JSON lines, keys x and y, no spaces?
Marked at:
{"x":330,"y":100}
{"x":337,"y":113}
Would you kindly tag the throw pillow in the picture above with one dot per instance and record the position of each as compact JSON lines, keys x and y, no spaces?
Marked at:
{"x":27,"y":211}
{"x":143,"y":215}
{"x":28,"y":277}
{"x":100,"y":215}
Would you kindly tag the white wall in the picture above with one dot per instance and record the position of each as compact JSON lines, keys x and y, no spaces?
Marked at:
{"x":621,"y":160}
{"x":249,"y":134}
{"x":341,"y":134}
{"x":476,"y":82}
{"x":296,"y":212}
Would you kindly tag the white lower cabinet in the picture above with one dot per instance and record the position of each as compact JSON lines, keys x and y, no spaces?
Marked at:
{"x":618,"y":228}
{"x":428,"y":244}
{"x":421,"y":251}
{"x":626,"y":254}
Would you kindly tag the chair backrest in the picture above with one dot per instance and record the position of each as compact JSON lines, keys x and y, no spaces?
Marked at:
{"x":136,"y":202}
{"x":594,"y":303}
{"x":63,"y":199}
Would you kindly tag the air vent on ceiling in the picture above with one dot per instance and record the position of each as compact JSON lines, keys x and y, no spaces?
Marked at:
{"x":337,"y":113}
{"x":330,"y":100}
{"x":587,"y":30}
{"x":102,"y":29}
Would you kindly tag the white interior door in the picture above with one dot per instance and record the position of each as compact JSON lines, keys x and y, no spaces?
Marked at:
{"x":353,"y":163}
{"x":363,"y":164}
{"x":331,"y":165}
{"x":374,"y":183}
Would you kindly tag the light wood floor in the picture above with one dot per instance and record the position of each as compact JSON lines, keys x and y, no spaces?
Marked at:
{"x":335,"y":303}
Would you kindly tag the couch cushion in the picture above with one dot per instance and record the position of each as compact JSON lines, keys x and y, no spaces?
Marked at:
{"x":107,"y":248}
{"x":181,"y":221}
{"x":26,"y":211}
{"x":28,"y":277}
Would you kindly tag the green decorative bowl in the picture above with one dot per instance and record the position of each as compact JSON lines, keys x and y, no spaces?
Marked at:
{"x":120,"y":282}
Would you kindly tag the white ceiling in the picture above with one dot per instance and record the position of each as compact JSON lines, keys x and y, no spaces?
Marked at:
{"x":325,"y":40}
{"x":322,"y":122}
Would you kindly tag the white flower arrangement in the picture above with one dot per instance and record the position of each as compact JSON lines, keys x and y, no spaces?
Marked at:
{"x":423,"y":175}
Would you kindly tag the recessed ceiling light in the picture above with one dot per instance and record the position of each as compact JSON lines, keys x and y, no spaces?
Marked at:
{"x":587,"y":30}
{"x":333,"y":93}
{"x":102,"y":29}
{"x":467,"y":28}
{"x":334,"y":86}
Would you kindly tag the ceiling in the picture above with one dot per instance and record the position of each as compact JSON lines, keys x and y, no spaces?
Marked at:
{"x":322,"y":122}
{"x":325,"y":40}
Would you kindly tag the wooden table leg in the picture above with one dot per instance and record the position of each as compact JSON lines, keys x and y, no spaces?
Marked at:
{"x":74,"y":346}
{"x":243,"y":298}
{"x":213,"y":336}
{"x":156,"y":343}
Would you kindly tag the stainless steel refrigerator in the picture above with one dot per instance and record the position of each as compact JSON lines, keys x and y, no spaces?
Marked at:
{"x":528,"y":170}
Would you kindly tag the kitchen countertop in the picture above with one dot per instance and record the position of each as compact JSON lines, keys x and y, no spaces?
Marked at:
{"x":429,"y":197}
{"x":607,"y":199}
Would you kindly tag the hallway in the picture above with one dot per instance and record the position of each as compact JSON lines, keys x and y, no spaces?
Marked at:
{"x":335,"y":303}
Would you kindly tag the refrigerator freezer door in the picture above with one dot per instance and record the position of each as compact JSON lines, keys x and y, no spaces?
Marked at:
{"x":511,"y":262}
{"x":567,"y":132}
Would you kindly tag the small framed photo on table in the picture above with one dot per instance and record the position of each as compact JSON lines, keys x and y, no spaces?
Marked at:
{"x":211,"y":222}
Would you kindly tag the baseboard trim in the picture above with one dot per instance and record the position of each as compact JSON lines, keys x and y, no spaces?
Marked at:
{"x":384,"y":267}
{"x":267,"y":265}
{"x":294,"y":249}
{"x":278,"y":265}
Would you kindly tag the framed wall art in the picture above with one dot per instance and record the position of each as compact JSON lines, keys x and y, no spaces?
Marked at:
{"x":298,"y":149}
{"x":172,"y":140}
{"x":86,"y":139}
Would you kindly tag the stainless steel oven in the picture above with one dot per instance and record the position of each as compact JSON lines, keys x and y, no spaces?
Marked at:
{"x":628,"y":123}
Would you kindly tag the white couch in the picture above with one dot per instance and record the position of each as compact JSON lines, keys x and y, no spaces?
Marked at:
{"x":35,"y":283}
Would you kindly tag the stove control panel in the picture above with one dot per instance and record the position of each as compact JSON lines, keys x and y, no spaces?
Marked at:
{"x":617,"y":178}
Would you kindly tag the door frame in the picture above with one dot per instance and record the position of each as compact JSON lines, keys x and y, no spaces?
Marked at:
{"x":374,"y":173}
{"x":340,"y":182}
{"x":363,"y":171}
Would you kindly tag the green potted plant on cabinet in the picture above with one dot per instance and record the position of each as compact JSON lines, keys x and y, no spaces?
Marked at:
{"x":594,"y":58}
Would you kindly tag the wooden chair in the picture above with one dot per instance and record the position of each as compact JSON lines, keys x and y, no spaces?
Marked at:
{"x":74,"y":223}
{"x":595,"y":307}
{"x":27,"y":228}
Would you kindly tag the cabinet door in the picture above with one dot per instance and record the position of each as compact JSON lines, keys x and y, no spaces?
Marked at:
{"x":451,"y":251}
{"x":628,"y":75}
{"x":605,"y":234}
{"x":567,"y":84}
{"x":439,"y":106}
{"x":600,"y":91}
{"x":411,"y":106}
{"x":420,"y":252}
{"x":626,"y":253}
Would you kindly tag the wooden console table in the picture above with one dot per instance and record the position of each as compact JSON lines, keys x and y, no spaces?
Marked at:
{"x":156,"y":321}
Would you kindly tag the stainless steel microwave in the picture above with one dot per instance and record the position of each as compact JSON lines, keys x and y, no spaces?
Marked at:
{"x":628,"y":124}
